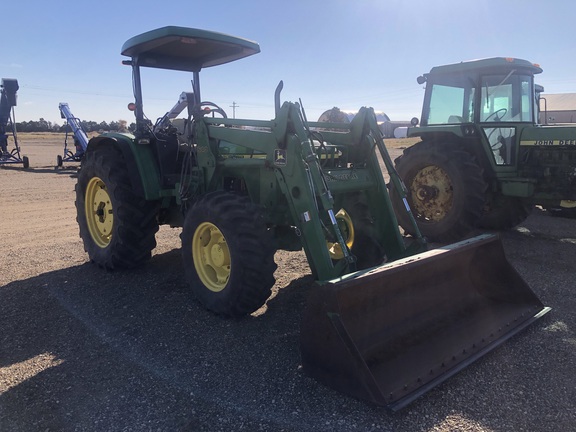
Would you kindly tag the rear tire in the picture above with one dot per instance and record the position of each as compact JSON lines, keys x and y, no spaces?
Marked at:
{"x":228,"y":254}
{"x":117,"y":227}
{"x":446,"y":191}
{"x":502,"y":213}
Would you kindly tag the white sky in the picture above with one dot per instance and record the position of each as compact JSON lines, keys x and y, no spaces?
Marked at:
{"x":329,"y":53}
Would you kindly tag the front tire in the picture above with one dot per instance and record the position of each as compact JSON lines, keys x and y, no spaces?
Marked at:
{"x":117,"y":227}
{"x":365,"y":247}
{"x":228,"y":254}
{"x":446,"y":191}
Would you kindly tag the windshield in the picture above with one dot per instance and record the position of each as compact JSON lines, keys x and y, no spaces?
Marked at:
{"x":506,"y":98}
{"x":451,"y":100}
{"x":503,"y":98}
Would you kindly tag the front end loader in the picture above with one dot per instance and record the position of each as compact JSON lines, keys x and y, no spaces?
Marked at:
{"x":386,"y":320}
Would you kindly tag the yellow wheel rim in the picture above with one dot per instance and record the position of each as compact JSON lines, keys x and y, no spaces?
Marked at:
{"x":211,"y":256}
{"x":98,"y":211}
{"x":347,"y":229}
{"x":432,"y":194}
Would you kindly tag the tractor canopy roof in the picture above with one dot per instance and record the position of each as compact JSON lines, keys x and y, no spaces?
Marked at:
{"x":488,"y":65}
{"x":186,"y":49}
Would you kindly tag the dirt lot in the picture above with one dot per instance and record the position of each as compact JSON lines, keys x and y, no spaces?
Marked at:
{"x":86,"y":350}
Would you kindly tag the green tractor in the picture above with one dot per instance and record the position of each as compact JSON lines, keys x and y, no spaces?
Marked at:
{"x":483,"y":159}
{"x":374,"y":326}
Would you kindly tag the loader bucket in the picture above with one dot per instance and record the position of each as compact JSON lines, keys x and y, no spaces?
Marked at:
{"x":389,"y":334}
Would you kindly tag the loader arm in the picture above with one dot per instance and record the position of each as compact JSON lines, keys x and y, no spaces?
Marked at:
{"x":310,"y":189}
{"x":287,"y":150}
{"x":321,"y":196}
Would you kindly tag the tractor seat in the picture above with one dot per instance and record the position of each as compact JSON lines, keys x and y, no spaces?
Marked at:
{"x":455,"y":119}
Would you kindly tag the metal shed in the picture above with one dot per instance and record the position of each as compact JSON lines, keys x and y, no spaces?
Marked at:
{"x":558,"y":108}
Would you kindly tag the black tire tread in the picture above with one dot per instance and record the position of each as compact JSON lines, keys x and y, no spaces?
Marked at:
{"x":451,"y":158}
{"x":251,"y":247}
{"x":504,"y":213}
{"x":134,"y":233}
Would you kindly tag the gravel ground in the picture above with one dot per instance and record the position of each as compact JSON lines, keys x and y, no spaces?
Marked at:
{"x":86,"y":350}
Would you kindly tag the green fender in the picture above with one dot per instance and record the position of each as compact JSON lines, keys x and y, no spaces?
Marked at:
{"x":140,"y":161}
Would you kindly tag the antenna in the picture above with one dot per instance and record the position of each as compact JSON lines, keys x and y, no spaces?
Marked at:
{"x":234,"y":106}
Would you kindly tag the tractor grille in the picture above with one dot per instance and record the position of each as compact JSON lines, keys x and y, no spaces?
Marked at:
{"x":554,"y":168}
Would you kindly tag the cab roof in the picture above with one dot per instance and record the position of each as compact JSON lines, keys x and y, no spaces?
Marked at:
{"x":486,"y":65}
{"x":186,"y":49}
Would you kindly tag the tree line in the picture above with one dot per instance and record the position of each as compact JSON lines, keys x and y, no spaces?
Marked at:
{"x":88,"y":126}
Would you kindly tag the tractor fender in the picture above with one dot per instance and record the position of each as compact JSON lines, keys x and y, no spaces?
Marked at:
{"x":140,"y":162}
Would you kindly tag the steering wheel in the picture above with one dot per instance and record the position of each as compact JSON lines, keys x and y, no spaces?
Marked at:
{"x":210,"y":108}
{"x":496,"y":116}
